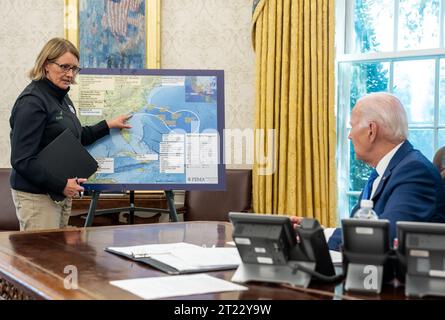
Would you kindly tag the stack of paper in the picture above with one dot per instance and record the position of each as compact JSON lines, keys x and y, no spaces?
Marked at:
{"x":336,"y":257}
{"x":165,"y":287}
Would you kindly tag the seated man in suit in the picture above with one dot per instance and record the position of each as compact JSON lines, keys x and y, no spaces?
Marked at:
{"x":408,"y":186}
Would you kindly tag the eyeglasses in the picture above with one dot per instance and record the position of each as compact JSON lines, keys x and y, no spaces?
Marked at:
{"x":66,"y":68}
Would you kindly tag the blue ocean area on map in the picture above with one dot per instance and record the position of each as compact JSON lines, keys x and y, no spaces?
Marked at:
{"x":166,"y":112}
{"x":174,"y":98}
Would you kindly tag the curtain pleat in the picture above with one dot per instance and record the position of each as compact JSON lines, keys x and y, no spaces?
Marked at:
{"x":294,"y":84}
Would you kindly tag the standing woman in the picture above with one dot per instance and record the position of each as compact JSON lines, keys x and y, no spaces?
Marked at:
{"x":41,"y":112}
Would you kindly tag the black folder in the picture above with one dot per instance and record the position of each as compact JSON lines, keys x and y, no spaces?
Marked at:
{"x":153,"y":262}
{"x":65,"y":157}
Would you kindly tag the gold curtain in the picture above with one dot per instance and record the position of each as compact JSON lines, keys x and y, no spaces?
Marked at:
{"x":294,"y":48}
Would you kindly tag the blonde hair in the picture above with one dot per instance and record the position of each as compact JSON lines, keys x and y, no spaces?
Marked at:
{"x":51,"y":51}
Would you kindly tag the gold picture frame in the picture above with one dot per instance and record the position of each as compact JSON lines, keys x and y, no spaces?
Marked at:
{"x":152,"y":29}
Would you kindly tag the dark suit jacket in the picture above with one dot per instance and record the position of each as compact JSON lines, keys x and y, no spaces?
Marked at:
{"x":411,"y":189}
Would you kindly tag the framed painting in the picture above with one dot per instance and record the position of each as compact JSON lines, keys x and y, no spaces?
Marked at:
{"x":115,"y":33}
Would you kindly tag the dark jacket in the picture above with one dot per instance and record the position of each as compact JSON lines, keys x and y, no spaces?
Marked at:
{"x":42,"y":112}
{"x":411,"y":189}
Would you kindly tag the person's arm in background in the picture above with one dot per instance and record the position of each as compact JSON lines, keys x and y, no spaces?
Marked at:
{"x":328,"y":232}
{"x":28,"y":121}
{"x":335,"y":240}
{"x":92,"y":133}
{"x":296,"y":221}
{"x":336,"y":236}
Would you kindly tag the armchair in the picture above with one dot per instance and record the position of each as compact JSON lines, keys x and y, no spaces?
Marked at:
{"x":216,"y":205}
{"x":8,"y":217}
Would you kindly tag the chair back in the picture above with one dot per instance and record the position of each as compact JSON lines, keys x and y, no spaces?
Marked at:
{"x":8,"y":217}
{"x":216,"y":205}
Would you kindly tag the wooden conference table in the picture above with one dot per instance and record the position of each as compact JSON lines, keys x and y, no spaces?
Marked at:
{"x":34,"y":265}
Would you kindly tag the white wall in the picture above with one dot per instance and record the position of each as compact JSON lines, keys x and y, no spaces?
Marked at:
{"x":25,"y":26}
{"x":217,"y":37}
{"x":196,"y":34}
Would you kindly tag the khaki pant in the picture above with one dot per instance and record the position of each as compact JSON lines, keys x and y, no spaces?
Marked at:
{"x":39,"y":211}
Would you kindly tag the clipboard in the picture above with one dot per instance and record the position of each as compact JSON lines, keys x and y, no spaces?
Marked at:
{"x":65,"y":157}
{"x":151,"y":260}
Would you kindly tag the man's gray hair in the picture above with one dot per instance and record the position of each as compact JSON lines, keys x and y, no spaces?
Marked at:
{"x":388,"y":112}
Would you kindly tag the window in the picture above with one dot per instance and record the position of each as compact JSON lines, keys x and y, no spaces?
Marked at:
{"x":395,"y":46}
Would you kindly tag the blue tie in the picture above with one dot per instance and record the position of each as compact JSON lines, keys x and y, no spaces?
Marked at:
{"x":368,"y":187}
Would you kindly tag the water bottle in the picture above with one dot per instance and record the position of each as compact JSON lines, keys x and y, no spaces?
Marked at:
{"x":366,"y":212}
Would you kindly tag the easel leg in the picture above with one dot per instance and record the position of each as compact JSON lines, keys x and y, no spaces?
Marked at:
{"x":92,"y":209}
{"x":171,"y":205}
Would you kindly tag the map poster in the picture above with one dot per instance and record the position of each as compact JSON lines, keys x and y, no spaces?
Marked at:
{"x":177,"y":119}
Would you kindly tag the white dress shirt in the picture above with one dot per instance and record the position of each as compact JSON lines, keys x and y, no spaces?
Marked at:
{"x":381,"y":167}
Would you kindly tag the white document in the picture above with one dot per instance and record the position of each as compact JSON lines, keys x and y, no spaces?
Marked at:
{"x":173,"y":286}
{"x":328,"y":233}
{"x":336,"y":257}
{"x":208,"y":257}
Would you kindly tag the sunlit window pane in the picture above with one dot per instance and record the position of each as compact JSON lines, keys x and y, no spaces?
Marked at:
{"x":358,"y":171}
{"x":442,"y":93}
{"x":363,"y":78}
{"x":352,"y":202}
{"x":441,"y":139}
{"x":414,"y":86}
{"x":418,"y":24}
{"x":423,"y":140}
{"x":373,"y":25}
{"x":411,"y":77}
